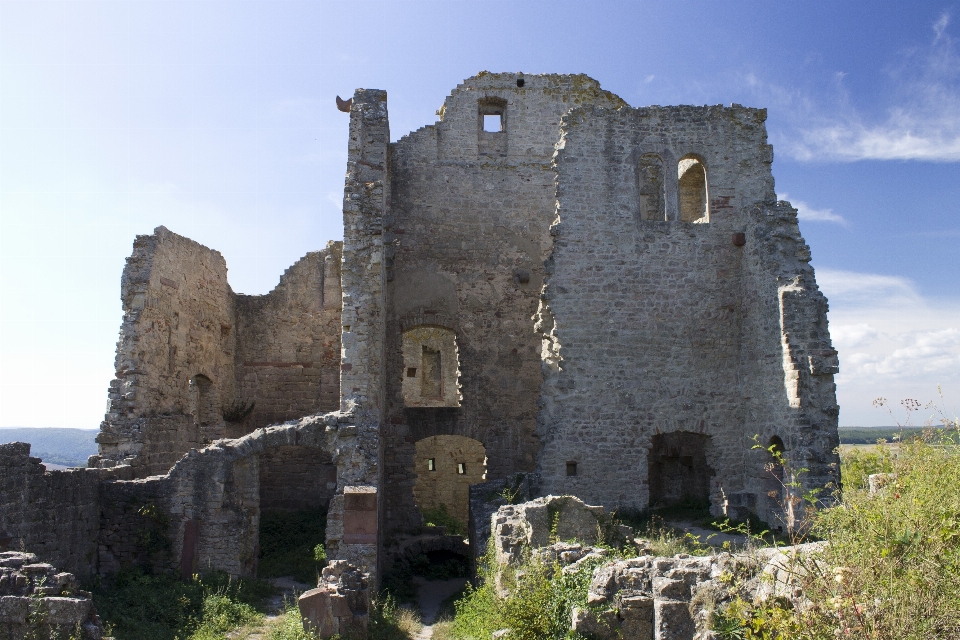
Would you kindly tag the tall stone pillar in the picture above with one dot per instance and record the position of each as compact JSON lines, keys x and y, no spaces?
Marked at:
{"x":365,"y":198}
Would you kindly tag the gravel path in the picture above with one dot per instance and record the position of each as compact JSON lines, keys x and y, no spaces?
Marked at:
{"x":430,"y":595}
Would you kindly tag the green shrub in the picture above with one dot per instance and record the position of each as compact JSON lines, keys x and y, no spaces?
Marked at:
{"x":221,"y":614}
{"x":139,"y":606}
{"x":291,"y":544}
{"x":289,"y":626}
{"x":440,"y":517}
{"x":891,"y":570}
{"x":856,"y":465}
{"x":538,"y":606}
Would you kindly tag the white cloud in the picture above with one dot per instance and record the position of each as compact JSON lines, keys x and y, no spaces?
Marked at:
{"x":893,"y":342}
{"x":806,"y":212}
{"x":922,"y":124}
{"x":940,"y":26}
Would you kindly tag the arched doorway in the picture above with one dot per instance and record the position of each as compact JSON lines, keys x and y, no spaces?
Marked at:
{"x":446,"y":466}
{"x":296,"y":486}
{"x":678,"y":473}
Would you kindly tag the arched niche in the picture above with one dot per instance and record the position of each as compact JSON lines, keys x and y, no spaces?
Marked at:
{"x":651,"y":187}
{"x":205,"y":406}
{"x":693,"y":189}
{"x":446,"y":466}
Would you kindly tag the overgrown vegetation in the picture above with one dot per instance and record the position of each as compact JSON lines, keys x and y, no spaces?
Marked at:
{"x":891,"y":568}
{"x":291,"y":544}
{"x":439,"y":516}
{"x":135,"y":605}
{"x":538,"y":605}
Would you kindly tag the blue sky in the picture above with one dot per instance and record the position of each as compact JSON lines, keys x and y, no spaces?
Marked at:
{"x":217,"y":120}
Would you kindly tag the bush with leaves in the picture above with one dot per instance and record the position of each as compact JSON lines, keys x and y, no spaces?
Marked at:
{"x":891,"y":568}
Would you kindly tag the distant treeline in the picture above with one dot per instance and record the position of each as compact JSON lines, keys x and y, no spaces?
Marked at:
{"x":69,"y":447}
{"x":870,"y":435}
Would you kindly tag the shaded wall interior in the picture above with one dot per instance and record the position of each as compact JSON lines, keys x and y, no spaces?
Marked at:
{"x":288,"y":343}
{"x":678,"y":470}
{"x":294,"y":478}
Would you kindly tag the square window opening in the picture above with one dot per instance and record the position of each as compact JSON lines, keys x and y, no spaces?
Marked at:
{"x":493,"y":122}
{"x":571,"y":468}
{"x":461,"y":468}
{"x":411,"y":372}
{"x":431,"y":464}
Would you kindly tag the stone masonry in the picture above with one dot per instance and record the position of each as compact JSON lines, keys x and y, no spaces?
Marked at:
{"x":545,"y":282}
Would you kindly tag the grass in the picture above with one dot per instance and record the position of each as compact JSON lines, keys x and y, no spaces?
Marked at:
{"x":291,"y":544}
{"x":891,"y":570}
{"x":135,"y":605}
{"x":538,"y":607}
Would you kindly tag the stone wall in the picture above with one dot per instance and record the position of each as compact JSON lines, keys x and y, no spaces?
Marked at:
{"x":294,"y":478}
{"x":38,"y":601}
{"x":288,"y":343}
{"x":470,"y":215}
{"x":191,"y":351}
{"x":654,"y":326}
{"x":365,"y":222}
{"x":204,"y":514}
{"x":56,"y":514}
{"x":177,"y":325}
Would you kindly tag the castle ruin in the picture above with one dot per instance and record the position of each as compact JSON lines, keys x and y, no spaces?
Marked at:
{"x":546,"y":281}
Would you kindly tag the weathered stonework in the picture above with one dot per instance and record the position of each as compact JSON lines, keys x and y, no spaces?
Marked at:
{"x":37,"y":601}
{"x":609,"y":297}
{"x":191,"y":350}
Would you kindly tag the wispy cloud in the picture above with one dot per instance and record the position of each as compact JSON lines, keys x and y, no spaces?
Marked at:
{"x":811,"y":214}
{"x":923,"y":124}
{"x":893,"y":342}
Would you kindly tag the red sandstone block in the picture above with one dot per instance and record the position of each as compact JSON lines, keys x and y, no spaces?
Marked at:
{"x":315,"y":609}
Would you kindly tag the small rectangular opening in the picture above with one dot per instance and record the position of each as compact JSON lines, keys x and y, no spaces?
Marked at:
{"x":571,"y":468}
{"x":461,"y":468}
{"x":493,"y":122}
{"x":431,"y":464}
{"x":411,"y":372}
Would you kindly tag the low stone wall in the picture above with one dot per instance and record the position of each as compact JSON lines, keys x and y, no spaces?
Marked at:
{"x":647,"y":597}
{"x":37,"y":601}
{"x":56,"y":514}
{"x":204,"y":514}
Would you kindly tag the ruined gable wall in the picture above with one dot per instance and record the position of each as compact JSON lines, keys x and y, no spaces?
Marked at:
{"x":648,"y":317}
{"x":288,"y":343}
{"x":787,"y":370}
{"x":470,"y":212}
{"x":54,"y":513}
{"x":177,"y":323}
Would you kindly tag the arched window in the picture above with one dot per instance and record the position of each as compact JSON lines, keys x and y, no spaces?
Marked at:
{"x":692,"y":185}
{"x":651,"y":187}
{"x":203,"y":398}
{"x":446,"y":466}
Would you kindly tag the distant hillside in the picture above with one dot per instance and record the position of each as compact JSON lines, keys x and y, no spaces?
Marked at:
{"x":870,"y":435}
{"x":67,"y":447}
